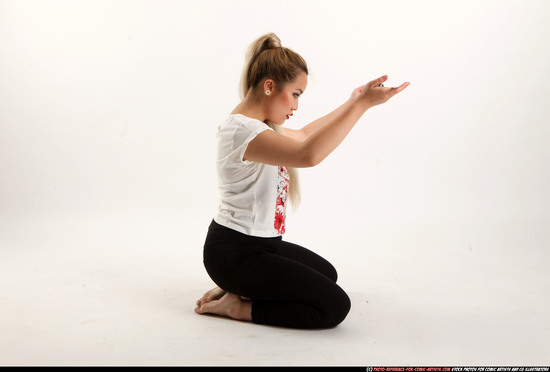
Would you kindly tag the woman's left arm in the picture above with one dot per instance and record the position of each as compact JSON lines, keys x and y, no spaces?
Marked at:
{"x":305,"y":132}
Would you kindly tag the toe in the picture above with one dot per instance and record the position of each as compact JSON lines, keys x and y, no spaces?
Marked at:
{"x":200,"y":309}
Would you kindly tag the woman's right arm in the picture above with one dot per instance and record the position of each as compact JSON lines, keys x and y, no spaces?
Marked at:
{"x":272,"y":148}
{"x":303,"y":133}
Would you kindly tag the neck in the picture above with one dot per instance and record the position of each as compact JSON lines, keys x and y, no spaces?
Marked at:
{"x":252,"y":106}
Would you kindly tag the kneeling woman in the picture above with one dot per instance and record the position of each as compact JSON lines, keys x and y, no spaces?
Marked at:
{"x":260,"y":277}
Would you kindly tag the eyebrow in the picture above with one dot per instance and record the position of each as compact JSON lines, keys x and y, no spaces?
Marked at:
{"x":301,"y":91}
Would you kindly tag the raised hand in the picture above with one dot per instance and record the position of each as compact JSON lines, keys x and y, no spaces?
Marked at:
{"x":374,"y":93}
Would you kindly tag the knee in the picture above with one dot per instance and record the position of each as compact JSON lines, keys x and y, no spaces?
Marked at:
{"x":332,"y":274}
{"x":329,"y":271}
{"x":339,"y":311}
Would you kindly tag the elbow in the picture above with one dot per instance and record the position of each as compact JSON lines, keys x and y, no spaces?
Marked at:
{"x":311,"y":159}
{"x":312,"y":154}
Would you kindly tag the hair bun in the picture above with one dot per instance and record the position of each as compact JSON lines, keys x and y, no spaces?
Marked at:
{"x":272,"y":41}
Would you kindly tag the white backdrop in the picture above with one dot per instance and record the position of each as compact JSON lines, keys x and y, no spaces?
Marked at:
{"x":109,"y":108}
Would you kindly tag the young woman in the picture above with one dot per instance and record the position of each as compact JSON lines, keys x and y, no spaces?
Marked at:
{"x":260,"y":277}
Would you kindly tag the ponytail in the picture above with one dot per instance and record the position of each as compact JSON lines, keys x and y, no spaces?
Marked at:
{"x":266,"y":58}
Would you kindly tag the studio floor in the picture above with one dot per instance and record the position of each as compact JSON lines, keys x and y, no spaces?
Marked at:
{"x":121,"y":291}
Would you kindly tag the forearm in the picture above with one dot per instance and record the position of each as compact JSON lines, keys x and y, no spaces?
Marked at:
{"x":331,"y":129}
{"x":315,"y":125}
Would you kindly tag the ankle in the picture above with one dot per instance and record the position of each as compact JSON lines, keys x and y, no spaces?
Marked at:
{"x":241,"y":310}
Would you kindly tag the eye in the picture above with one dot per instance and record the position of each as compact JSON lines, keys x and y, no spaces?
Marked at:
{"x":296,"y":95}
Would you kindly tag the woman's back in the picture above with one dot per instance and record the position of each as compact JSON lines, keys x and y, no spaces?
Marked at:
{"x":252,"y":195}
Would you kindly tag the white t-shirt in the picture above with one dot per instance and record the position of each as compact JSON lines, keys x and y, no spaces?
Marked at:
{"x":252,"y":195}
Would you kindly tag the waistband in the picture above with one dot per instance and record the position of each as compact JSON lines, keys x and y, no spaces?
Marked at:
{"x":220,"y":233}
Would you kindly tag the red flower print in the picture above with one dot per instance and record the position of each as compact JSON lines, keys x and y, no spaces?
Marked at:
{"x":280,"y":207}
{"x":280,"y":222}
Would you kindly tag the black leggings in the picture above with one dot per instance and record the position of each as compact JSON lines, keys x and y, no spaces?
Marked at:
{"x":289,"y":285}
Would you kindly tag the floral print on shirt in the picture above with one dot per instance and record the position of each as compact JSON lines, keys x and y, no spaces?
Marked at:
{"x":283,"y":182}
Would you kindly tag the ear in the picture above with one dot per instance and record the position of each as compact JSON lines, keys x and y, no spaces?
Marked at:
{"x":269,"y":84}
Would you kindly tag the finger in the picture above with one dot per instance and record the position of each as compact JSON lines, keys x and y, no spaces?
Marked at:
{"x":378,"y":81}
{"x":400,"y":88}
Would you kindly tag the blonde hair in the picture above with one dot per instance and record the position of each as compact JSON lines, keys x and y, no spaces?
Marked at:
{"x":266,"y":58}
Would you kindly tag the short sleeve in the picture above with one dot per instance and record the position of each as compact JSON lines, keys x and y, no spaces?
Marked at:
{"x":245,"y":132}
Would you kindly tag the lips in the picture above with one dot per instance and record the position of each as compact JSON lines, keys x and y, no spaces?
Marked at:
{"x":288,"y":116}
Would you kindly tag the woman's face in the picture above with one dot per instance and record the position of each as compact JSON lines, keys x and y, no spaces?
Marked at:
{"x":282,"y":103}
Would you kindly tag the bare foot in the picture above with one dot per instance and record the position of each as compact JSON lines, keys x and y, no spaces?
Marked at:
{"x":211,"y":295}
{"x":229,"y":305}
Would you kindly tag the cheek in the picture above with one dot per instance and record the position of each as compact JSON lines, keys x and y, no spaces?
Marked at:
{"x":281,"y":104}
{"x":289,"y":100}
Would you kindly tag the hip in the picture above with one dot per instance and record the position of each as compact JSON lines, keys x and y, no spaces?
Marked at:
{"x":224,"y":245}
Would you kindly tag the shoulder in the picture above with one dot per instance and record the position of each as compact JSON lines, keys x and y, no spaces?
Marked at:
{"x":246,"y":122}
{"x":242,"y":127}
